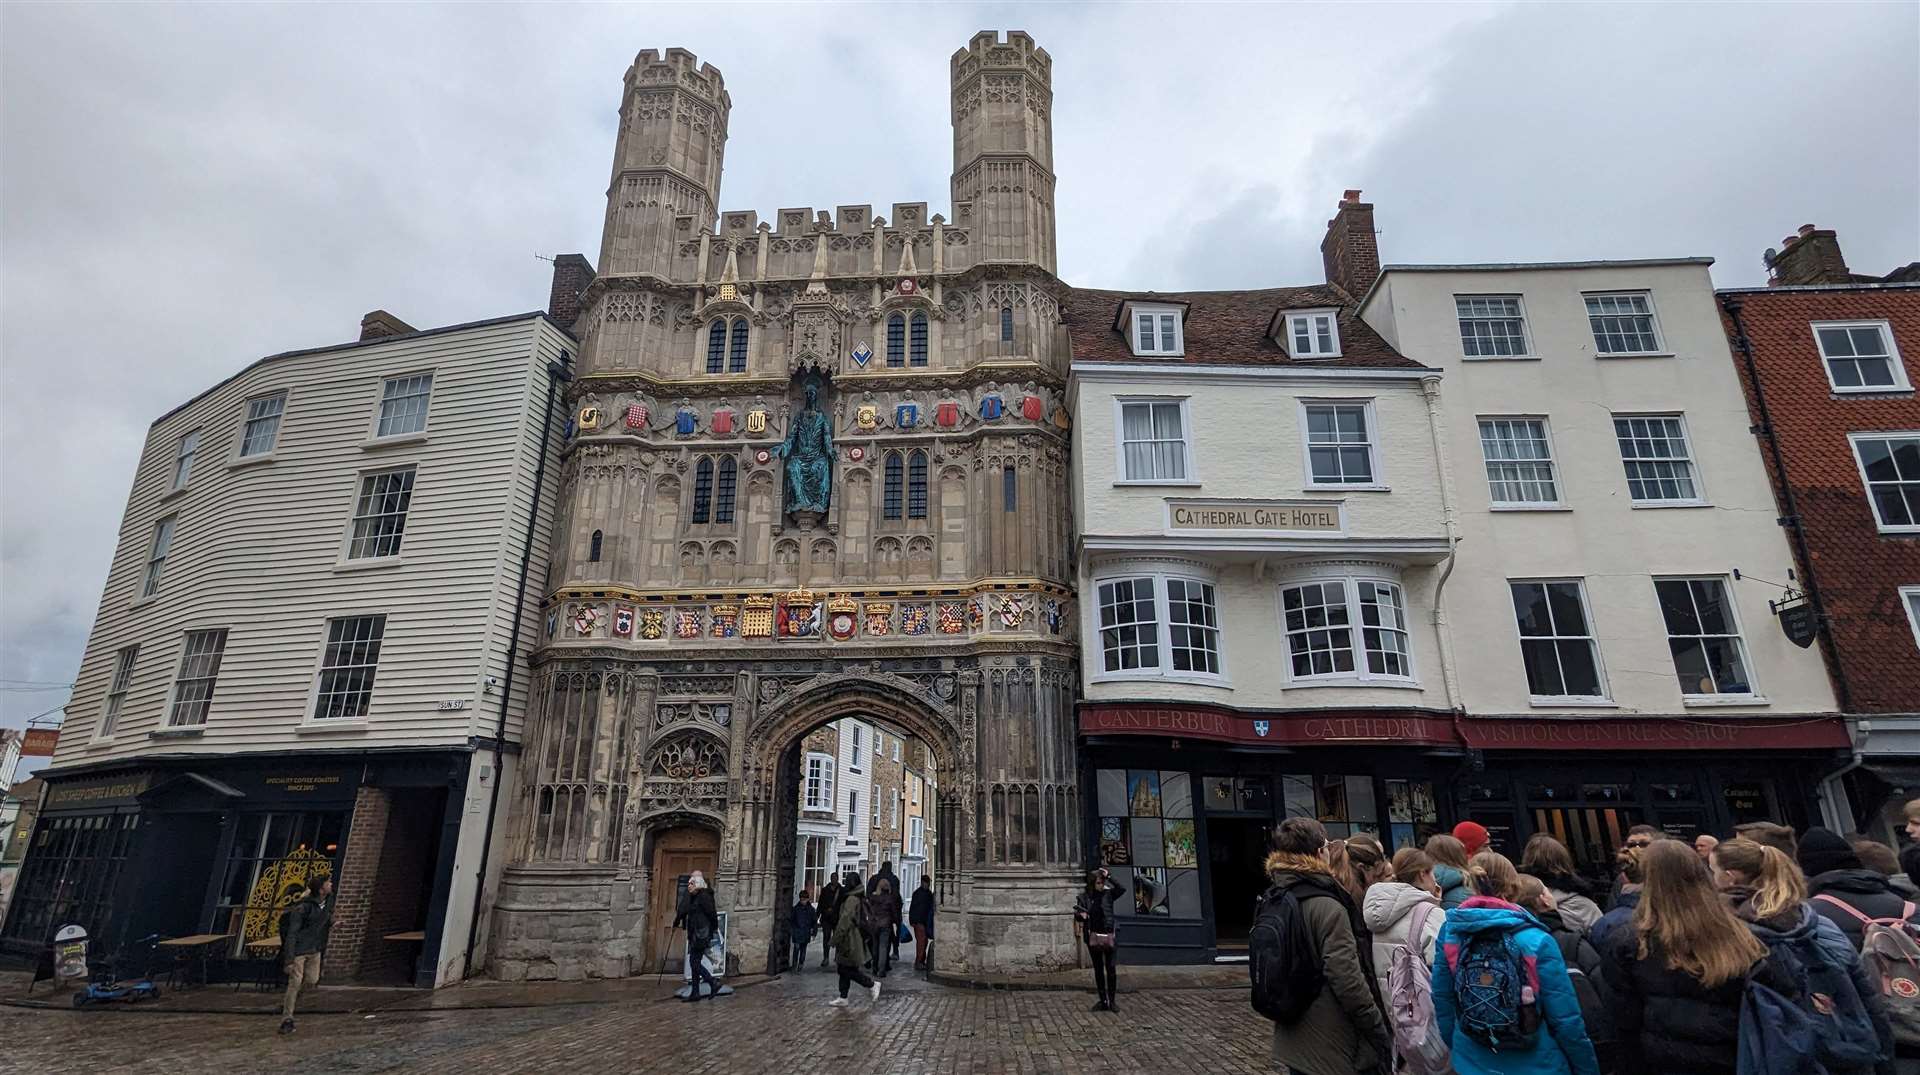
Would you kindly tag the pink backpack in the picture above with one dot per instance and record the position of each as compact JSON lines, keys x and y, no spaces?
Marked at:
{"x":1890,"y":955}
{"x":1416,"y":1036}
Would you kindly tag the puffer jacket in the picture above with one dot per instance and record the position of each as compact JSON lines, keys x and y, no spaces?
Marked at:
{"x":1388,"y":912}
{"x":1453,"y":886}
{"x":1668,"y":1023}
{"x":1836,"y":949}
{"x":1865,"y":891}
{"x":1344,"y":1028}
{"x":1573,"y":897}
{"x":1561,"y":1047}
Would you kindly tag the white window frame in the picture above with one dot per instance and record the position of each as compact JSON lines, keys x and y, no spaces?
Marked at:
{"x":879,"y":743}
{"x":1898,"y":367}
{"x":1138,"y":310}
{"x":896,"y":750}
{"x":875,"y":796}
{"x":893,"y":810}
{"x":1750,"y":696}
{"x":1552,"y":462}
{"x":321,"y":668}
{"x":174,"y":701}
{"x":915,"y":785}
{"x":124,"y":660}
{"x":1699,"y":498}
{"x":1653,"y":319}
{"x":859,"y":747}
{"x":1332,"y":315}
{"x":1356,"y":630}
{"x":1526,"y":329}
{"x":818,"y":787}
{"x":917,"y":837}
{"x":1120,"y":442}
{"x":380,"y":405}
{"x":158,"y":549}
{"x":825,"y":871}
{"x":240,"y":453}
{"x":184,"y":450}
{"x":1605,"y":697}
{"x":1909,"y":598}
{"x":360,"y":481}
{"x":1378,"y":479}
{"x":1866,"y":487}
{"x":1163,"y":626}
{"x":853,"y":812}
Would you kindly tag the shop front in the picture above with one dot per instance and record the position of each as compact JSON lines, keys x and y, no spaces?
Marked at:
{"x":1871,"y":797}
{"x":219,"y":846}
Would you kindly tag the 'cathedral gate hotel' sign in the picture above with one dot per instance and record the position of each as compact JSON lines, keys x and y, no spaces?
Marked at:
{"x":1295,"y":516}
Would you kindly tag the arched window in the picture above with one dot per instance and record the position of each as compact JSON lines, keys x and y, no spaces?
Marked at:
{"x":1006,"y":324}
{"x":1009,"y":490}
{"x":593,"y":548}
{"x":890,"y":498}
{"x":896,"y":340}
{"x":723,"y":498}
{"x":737,"y":351}
{"x":917,"y":485}
{"x":716,"y":347}
{"x":919,"y":350}
{"x":703,"y":489}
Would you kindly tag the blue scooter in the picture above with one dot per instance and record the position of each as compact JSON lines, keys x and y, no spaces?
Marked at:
{"x":108,"y":985}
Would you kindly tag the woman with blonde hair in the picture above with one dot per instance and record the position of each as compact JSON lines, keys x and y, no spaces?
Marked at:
{"x":1357,"y":863}
{"x":1449,"y":868}
{"x":1393,"y":909}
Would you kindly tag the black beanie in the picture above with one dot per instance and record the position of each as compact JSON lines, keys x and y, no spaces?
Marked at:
{"x":1822,"y":850}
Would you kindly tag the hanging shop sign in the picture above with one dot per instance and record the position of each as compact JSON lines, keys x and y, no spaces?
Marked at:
{"x":1797,"y":620}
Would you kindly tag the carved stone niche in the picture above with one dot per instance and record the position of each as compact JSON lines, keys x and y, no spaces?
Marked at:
{"x":687,"y":755}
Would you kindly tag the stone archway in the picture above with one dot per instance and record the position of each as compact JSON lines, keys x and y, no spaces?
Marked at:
{"x":934,"y":708}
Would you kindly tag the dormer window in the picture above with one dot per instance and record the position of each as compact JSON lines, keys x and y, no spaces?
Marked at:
{"x":1156,"y":331}
{"x":1312,"y":334}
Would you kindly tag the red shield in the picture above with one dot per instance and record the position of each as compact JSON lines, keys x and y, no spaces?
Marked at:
{"x":636,"y":416}
{"x":1030,"y":408}
{"x":723,"y":421}
{"x":947,"y":414}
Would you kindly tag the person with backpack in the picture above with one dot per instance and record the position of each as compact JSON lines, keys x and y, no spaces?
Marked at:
{"x":1405,"y":916}
{"x":1676,"y":973}
{"x":1501,"y":992}
{"x":1311,"y":961}
{"x":1549,"y":860}
{"x":1878,"y":927}
{"x":1583,"y":965}
{"x":1842,"y":887}
{"x":1093,"y":919}
{"x":850,"y":943}
{"x":1449,"y":857}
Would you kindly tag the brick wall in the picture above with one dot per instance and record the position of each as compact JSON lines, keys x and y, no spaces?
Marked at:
{"x":1351,"y":251}
{"x":1859,"y":570}
{"x":353,"y":891}
{"x":389,"y":862}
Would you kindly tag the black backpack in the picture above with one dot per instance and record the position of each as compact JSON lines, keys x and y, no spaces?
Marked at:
{"x":1281,"y":958}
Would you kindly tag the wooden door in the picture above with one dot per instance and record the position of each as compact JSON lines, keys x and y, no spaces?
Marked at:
{"x":676,"y":854}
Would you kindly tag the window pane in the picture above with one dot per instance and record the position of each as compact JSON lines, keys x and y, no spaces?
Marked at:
{"x":263,"y":425}
{"x":1892,"y":469}
{"x":1569,"y":618}
{"x":380,"y":514}
{"x":403,"y":405}
{"x":1577,"y":665}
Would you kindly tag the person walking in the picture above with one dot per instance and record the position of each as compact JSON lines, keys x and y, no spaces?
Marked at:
{"x":1344,"y":1028}
{"x":829,"y":915}
{"x":303,"y":934}
{"x":1093,"y":917}
{"x":920,"y":917}
{"x":800,"y":930}
{"x":850,"y":944}
{"x":1449,"y":857}
{"x":1676,"y":973}
{"x":1501,"y":991}
{"x":1389,"y":912}
{"x":1549,"y":860}
{"x":881,"y":912}
{"x":696,"y":913}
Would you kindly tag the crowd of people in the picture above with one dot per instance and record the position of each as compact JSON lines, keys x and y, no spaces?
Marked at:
{"x":1770,"y":952}
{"x":861,"y":927}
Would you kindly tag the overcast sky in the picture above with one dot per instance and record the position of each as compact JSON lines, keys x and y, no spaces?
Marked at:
{"x":184,"y":189}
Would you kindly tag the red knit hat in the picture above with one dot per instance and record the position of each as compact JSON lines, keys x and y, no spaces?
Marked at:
{"x":1473,"y":835}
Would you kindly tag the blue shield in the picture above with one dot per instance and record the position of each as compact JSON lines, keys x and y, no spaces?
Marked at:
{"x":1260,"y":728}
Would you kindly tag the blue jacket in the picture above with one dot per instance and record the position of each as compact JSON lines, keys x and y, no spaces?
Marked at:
{"x":1453,"y":886}
{"x":1812,"y":928}
{"x":1562,"y":1046}
{"x":1618,"y":917}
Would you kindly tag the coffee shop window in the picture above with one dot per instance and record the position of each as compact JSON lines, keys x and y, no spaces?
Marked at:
{"x":1147,"y":841}
{"x":271,"y":853}
{"x":71,"y":873}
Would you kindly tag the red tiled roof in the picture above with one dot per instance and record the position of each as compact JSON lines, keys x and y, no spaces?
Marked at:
{"x":1226,"y":328}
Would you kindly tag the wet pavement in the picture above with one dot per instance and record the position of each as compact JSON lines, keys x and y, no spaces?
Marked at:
{"x":769,"y":1028}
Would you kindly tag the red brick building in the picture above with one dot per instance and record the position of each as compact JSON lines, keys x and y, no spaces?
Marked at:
{"x":1826,"y":357}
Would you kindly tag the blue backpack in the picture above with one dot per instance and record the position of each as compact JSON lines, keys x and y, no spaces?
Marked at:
{"x":1823,"y":1027}
{"x":1492,"y":994}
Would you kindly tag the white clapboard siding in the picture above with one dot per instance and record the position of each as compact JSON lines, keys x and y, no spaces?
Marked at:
{"x":258,"y":548}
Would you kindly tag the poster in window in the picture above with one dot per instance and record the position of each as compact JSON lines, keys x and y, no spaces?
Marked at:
{"x":1147,"y":848}
{"x":1176,"y":794}
{"x":1150,"y":891}
{"x":1183,"y":893}
{"x":1402,"y":835}
{"x":1114,"y":849}
{"x":1111,"y":790}
{"x":1179,"y":846}
{"x":1143,"y":792}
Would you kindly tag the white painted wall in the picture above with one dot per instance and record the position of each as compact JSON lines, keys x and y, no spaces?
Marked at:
{"x":1616,"y":547}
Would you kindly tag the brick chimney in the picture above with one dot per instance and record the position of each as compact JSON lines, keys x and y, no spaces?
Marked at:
{"x":571,"y":275}
{"x":1350,"y":250}
{"x":1809,"y":256}
{"x":380,"y":323}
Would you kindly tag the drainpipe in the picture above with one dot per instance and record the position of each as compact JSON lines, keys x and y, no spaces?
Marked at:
{"x":1449,"y":674}
{"x":558,"y":371}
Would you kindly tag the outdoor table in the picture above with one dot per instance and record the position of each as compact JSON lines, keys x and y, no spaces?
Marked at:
{"x":194,"y":950}
{"x":416,"y":936}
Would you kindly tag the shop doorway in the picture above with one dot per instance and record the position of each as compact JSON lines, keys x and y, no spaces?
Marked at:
{"x":1236,"y":856}
{"x":677,"y":853}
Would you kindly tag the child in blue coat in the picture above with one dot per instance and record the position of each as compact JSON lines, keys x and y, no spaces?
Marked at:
{"x":1560,"y":1044}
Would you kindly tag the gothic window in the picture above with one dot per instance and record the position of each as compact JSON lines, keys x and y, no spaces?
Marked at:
{"x":716,"y":347}
{"x":737,"y":348}
{"x":1006,"y":324}
{"x":703,"y":490}
{"x":896,"y":341}
{"x":593,"y":550}
{"x":890,"y":502}
{"x":723,"y":500}
{"x":917,"y":485}
{"x":919,"y":340}
{"x":1009,"y":494}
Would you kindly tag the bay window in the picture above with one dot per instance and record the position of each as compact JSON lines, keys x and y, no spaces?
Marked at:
{"x":1156,"y":624}
{"x":1346,"y":627}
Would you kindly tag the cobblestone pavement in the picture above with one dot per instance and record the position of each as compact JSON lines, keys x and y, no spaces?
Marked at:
{"x":769,"y":1029}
